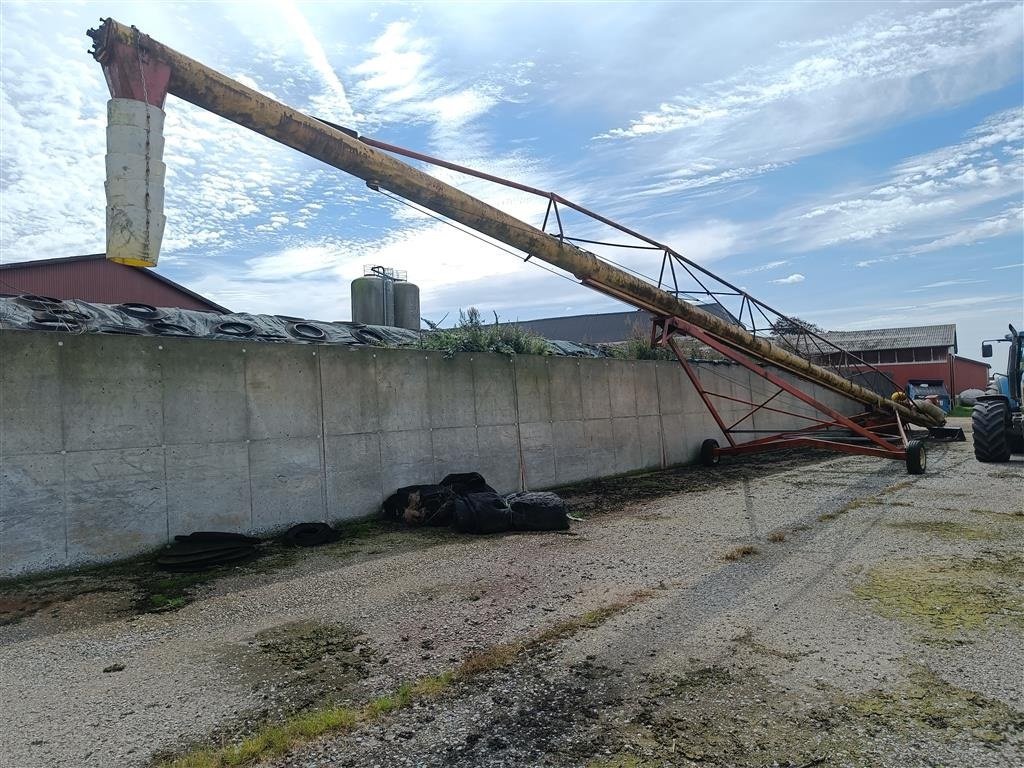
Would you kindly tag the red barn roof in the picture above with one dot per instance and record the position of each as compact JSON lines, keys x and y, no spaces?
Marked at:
{"x":93,"y":278}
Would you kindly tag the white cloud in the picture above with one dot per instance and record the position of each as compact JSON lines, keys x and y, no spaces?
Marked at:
{"x":1010,"y":266}
{"x":397,"y":68}
{"x":763,"y":267}
{"x":796,"y":277}
{"x":925,"y":193}
{"x":945,"y":284}
{"x":332,"y":105}
{"x":705,"y":243}
{"x":876,"y":52}
{"x":806,"y":97}
{"x":996,"y":226}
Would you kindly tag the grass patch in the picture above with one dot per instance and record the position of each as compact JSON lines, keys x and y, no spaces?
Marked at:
{"x":962,"y":410}
{"x":777,"y":536}
{"x":740,"y":552}
{"x":275,"y":739}
{"x":945,"y":529}
{"x":948,"y":596}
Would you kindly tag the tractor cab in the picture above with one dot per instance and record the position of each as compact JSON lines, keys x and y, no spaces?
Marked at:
{"x":1009,"y":384}
{"x":997,"y":419}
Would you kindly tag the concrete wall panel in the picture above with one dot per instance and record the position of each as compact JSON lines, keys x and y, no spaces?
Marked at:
{"x":564,"y":384}
{"x":282,"y":384}
{"x":595,"y":388}
{"x":30,"y":402}
{"x":402,"y":390}
{"x":538,"y":454}
{"x":287,"y":482}
{"x":111,"y":393}
{"x":532,"y":388}
{"x":650,"y":441}
{"x":355,"y":485}
{"x":675,"y":429}
{"x":601,"y":460}
{"x":454,"y":450}
{"x":208,"y":488}
{"x":203,"y":390}
{"x":628,"y":451}
{"x":571,"y":451}
{"x":33,"y":534}
{"x":451,"y":391}
{"x":671,"y":386}
{"x":494,"y":384}
{"x":406,"y":458}
{"x":646,"y":383}
{"x":499,"y":456}
{"x":622,"y":388}
{"x":116,"y":503}
{"x":348,"y":378}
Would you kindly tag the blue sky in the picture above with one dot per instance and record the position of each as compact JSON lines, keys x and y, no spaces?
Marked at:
{"x":858,"y":165}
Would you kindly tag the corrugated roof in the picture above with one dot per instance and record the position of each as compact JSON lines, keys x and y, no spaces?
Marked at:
{"x":604,"y":328}
{"x":893,"y":338}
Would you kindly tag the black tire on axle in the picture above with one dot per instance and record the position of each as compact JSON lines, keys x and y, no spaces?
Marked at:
{"x":709,"y":455}
{"x":988,"y":420}
{"x":917,"y":457}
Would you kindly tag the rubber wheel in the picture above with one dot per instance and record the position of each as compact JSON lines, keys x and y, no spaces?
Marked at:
{"x":990,"y":439}
{"x":917,"y":457}
{"x":709,"y":455}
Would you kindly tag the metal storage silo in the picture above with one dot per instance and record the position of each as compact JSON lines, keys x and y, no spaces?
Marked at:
{"x":407,"y":306}
{"x":371,"y":300}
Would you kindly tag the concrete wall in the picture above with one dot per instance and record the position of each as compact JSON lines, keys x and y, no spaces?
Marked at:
{"x":112,"y":445}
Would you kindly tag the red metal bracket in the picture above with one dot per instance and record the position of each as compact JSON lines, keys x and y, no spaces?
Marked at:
{"x":863,"y":433}
{"x":132,"y":74}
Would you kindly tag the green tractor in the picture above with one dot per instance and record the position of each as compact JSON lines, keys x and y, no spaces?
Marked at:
{"x":997,"y":418}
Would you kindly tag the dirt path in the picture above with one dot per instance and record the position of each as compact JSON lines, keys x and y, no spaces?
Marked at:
{"x":879,"y":621}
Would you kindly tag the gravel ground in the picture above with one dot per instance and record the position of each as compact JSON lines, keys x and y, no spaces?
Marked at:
{"x":879,"y":622}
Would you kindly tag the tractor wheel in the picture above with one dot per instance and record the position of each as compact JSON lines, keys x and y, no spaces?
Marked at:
{"x":917,"y":457}
{"x":709,"y":453}
{"x":990,"y":438}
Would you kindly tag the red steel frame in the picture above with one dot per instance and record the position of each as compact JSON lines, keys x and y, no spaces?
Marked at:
{"x":867,"y":433}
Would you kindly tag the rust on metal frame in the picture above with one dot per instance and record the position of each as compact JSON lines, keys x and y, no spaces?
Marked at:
{"x":130,"y":71}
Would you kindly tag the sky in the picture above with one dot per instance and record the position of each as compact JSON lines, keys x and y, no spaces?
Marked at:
{"x":858,"y":165}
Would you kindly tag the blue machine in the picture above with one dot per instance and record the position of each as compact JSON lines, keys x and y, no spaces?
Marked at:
{"x":922,"y":388}
{"x":997,"y":419}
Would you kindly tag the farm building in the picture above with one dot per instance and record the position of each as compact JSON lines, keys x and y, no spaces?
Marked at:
{"x":93,"y":278}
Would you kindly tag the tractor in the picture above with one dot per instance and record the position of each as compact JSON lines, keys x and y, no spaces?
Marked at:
{"x":997,"y":418}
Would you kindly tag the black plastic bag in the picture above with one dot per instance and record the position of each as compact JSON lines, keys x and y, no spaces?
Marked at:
{"x":467,"y":482}
{"x":538,"y":511}
{"x":484,"y":512}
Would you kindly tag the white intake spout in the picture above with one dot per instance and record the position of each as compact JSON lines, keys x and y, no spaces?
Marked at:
{"x":135,"y":182}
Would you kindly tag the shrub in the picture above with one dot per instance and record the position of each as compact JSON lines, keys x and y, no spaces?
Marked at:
{"x":471,"y":334}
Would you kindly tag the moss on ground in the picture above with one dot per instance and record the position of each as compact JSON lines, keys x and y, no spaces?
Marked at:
{"x":156,"y":591}
{"x":949,"y":596}
{"x":946,"y":529}
{"x":926,"y":702}
{"x":742,"y":717}
{"x":275,"y":739}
